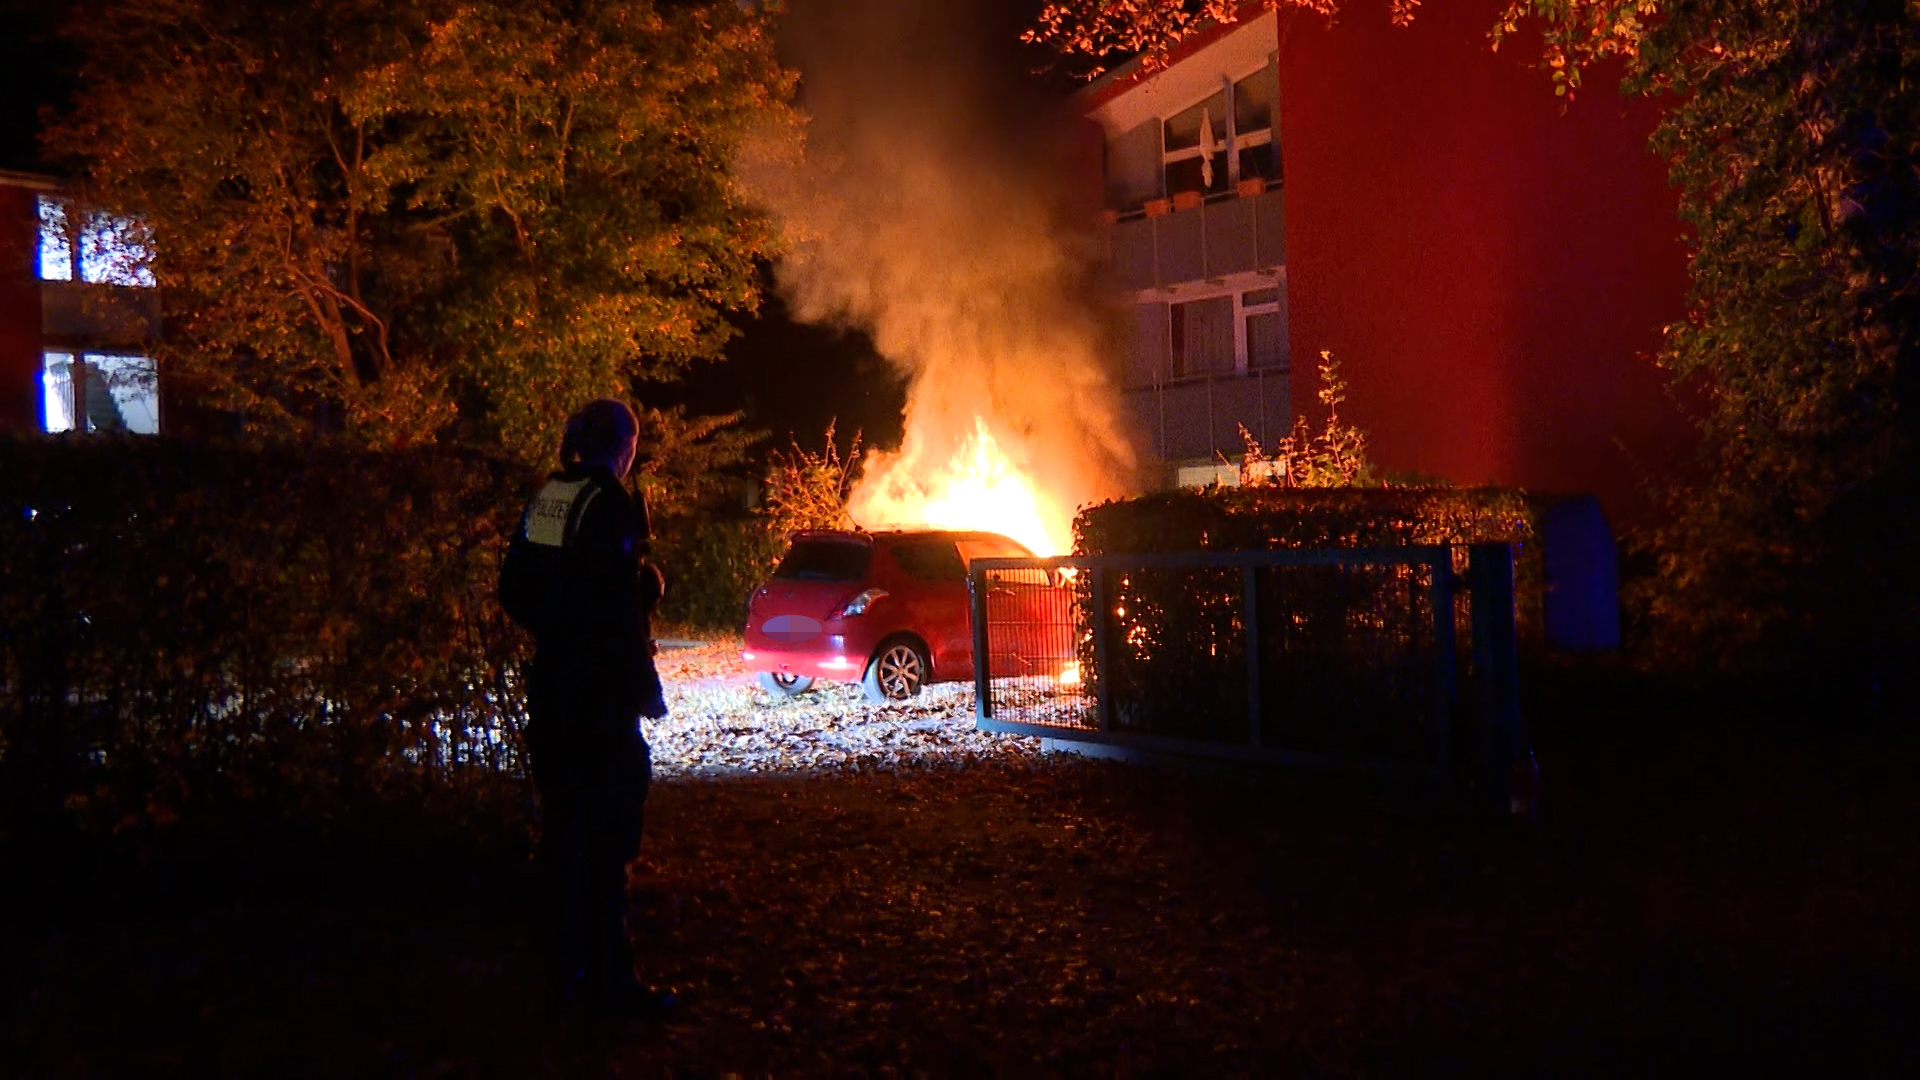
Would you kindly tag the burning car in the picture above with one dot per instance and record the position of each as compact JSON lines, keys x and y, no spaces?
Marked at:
{"x":891,"y":610}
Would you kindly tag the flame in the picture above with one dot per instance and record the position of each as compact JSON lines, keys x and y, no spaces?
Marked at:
{"x":978,"y":487}
{"x":1070,"y":674}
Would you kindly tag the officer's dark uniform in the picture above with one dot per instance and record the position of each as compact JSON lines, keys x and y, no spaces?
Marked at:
{"x":576,"y":575}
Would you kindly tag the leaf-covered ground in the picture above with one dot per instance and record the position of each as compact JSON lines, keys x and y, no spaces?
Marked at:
{"x":720,"y":723}
{"x":1704,"y":893}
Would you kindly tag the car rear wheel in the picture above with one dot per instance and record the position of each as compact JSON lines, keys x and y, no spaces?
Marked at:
{"x":898,"y":672}
{"x":784,"y":686}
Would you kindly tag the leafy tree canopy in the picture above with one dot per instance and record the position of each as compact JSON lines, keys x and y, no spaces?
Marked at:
{"x":402,"y":219}
{"x":1575,"y":32}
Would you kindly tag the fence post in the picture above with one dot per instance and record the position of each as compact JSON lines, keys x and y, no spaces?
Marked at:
{"x":982,"y":647}
{"x":1496,"y":667}
{"x":1102,"y":687}
{"x":1446,"y":666}
{"x":1250,"y":617}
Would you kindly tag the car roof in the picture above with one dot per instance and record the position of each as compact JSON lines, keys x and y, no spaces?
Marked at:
{"x":863,"y":536}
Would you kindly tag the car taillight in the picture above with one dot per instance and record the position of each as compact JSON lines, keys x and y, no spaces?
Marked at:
{"x":859,"y":604}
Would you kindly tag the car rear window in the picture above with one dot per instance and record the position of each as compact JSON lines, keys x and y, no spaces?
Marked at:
{"x":825,"y":560}
{"x":992,"y":547}
{"x":930,"y":560}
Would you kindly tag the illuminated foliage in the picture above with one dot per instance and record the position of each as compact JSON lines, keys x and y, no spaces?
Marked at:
{"x":402,"y":219}
{"x":808,"y":490}
{"x":1793,"y":129}
{"x":1335,"y":457}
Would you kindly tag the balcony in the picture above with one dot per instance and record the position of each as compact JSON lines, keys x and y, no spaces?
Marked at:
{"x":1213,"y":240}
{"x":1200,"y":419}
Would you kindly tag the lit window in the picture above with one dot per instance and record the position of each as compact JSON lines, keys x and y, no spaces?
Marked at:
{"x":56,"y":242}
{"x":115,"y":250}
{"x":111,"y":249}
{"x":101,"y":392}
{"x":56,"y":382}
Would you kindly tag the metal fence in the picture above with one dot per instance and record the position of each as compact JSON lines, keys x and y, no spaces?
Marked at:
{"x":1342,"y":659}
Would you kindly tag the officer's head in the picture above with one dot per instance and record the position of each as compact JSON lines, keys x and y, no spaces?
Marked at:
{"x":603,"y":432}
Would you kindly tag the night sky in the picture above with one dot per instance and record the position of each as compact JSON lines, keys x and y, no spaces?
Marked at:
{"x":34,"y":63}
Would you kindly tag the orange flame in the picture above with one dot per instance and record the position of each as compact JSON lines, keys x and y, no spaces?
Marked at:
{"x":979,"y":487}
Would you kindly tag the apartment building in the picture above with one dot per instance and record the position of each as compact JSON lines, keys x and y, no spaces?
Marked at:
{"x":1490,"y":266}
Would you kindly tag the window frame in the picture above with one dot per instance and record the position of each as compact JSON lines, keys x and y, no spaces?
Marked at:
{"x":1232,"y":146}
{"x":1236,"y":289}
{"x":80,"y":231}
{"x":81,"y":363}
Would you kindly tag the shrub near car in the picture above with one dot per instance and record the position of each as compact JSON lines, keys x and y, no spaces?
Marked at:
{"x":889,"y":609}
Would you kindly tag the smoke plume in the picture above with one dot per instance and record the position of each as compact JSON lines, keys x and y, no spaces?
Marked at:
{"x":923,"y":207}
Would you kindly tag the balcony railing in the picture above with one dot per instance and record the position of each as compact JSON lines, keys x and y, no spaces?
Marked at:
{"x":1228,"y":235}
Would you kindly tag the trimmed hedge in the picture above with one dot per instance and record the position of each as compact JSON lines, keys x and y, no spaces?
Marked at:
{"x":1260,"y":518}
{"x":1268,"y":518}
{"x":189,"y":626}
{"x":1346,"y":653}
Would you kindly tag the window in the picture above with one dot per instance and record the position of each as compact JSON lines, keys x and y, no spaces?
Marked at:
{"x":825,"y":560}
{"x":100,"y":392}
{"x":992,"y":548}
{"x":1227,"y":138}
{"x":1256,"y":107}
{"x":94,"y":247}
{"x":1264,"y":345}
{"x":56,"y":382}
{"x":1232,"y":331}
{"x":930,"y":560}
{"x":56,"y":242}
{"x":1194,"y":154}
{"x":1202,"y":338}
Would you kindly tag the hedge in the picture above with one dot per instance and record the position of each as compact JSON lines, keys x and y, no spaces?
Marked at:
{"x":1270,"y":518}
{"x":713,"y":565}
{"x":1259,"y":518}
{"x":189,"y":626}
{"x":1345,"y":653}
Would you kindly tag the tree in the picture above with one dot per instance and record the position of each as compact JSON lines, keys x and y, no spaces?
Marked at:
{"x":395,"y":219}
{"x":1792,"y":131}
{"x":1574,"y":32}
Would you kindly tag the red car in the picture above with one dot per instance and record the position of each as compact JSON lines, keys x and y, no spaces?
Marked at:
{"x":891,"y":610}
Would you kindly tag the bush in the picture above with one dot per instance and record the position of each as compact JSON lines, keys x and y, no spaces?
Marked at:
{"x":715,"y":563}
{"x":1271,"y":518}
{"x":712,"y":566}
{"x":1346,"y":655}
{"x":189,"y":627}
{"x":1262,"y":518}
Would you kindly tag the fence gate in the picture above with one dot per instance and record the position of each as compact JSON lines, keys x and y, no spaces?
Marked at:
{"x":1348,"y":659}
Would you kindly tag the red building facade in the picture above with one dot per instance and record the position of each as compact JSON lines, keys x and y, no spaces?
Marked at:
{"x":20,"y":342}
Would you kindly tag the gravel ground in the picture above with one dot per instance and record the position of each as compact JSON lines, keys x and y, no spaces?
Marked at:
{"x":721,"y":723}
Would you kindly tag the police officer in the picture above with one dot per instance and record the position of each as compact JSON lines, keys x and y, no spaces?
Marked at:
{"x":577,"y":575}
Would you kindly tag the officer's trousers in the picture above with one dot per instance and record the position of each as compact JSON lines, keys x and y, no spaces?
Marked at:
{"x":593,"y":770}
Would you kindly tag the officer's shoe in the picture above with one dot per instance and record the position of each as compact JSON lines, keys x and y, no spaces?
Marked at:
{"x":630,"y":999}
